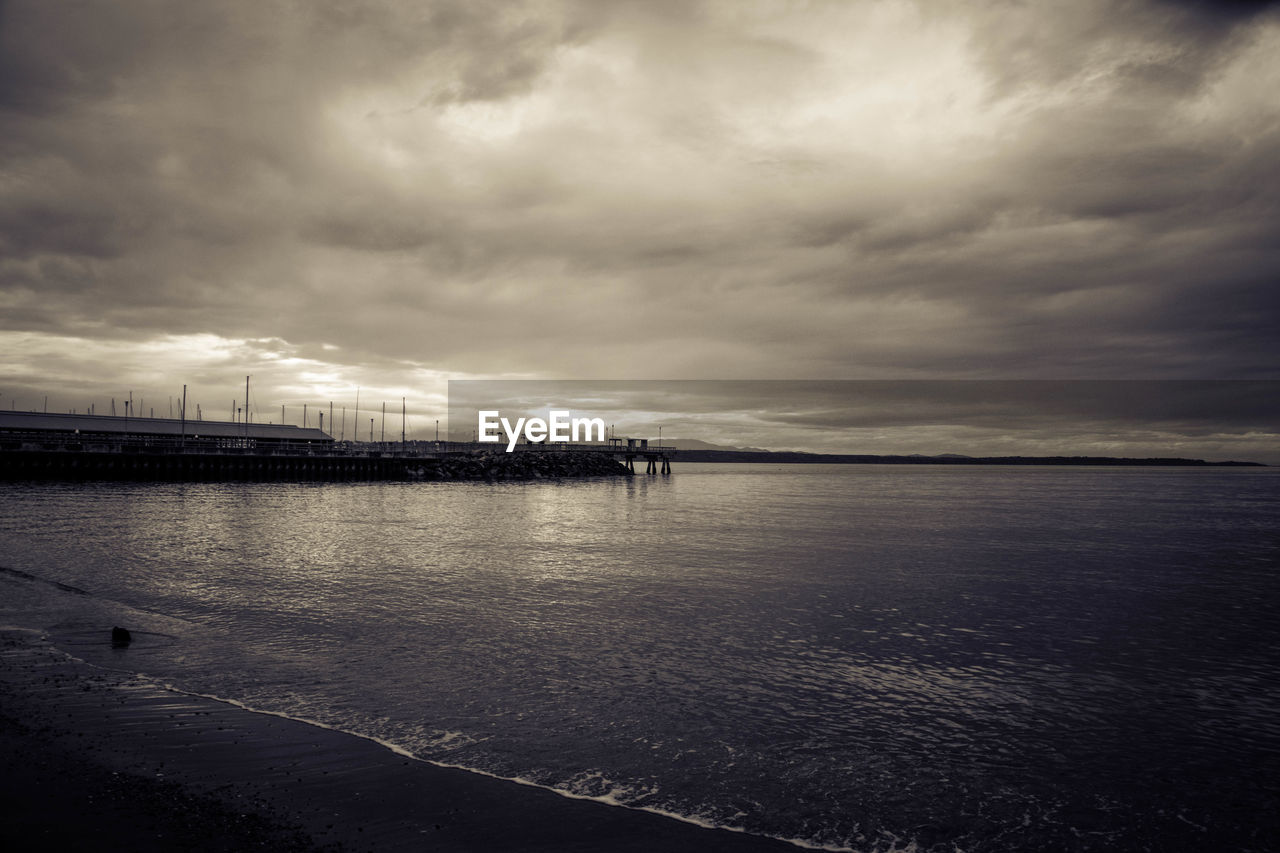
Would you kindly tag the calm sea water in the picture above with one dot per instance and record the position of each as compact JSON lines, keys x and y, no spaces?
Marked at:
{"x":865,"y":657}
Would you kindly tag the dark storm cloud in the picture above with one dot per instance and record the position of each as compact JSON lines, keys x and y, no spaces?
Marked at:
{"x":1161,"y":46}
{"x":600,"y":189}
{"x":1223,"y":10}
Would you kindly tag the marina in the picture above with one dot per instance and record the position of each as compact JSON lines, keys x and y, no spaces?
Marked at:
{"x":36,"y":445}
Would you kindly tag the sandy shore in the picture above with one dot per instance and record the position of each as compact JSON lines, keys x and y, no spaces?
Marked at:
{"x":98,"y":760}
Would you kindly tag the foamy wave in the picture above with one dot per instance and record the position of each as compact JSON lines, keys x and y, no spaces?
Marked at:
{"x":596,"y":785}
{"x":612,"y":793}
{"x":612,"y":796}
{"x":450,"y":740}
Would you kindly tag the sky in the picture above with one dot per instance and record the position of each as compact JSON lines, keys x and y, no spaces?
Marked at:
{"x":385,"y":196}
{"x":1217,"y":420}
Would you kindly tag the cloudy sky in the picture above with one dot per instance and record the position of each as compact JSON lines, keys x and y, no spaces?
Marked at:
{"x":388,"y":195}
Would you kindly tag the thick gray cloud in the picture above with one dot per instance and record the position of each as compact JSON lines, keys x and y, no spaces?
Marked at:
{"x":403,"y":190}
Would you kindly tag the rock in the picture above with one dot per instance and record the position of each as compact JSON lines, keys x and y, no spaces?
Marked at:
{"x":525,"y":465}
{"x":120,"y":637}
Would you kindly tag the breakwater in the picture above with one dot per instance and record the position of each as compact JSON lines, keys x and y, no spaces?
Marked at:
{"x":528,"y":465}
{"x":85,"y":465}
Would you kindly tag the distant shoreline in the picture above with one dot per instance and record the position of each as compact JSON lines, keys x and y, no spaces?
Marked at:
{"x":799,"y":458}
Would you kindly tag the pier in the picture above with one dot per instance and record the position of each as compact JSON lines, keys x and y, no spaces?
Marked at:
{"x":627,"y":450}
{"x":38,"y":446}
{"x":630,"y":449}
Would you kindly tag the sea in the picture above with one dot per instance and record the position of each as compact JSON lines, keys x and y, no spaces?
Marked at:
{"x":848,"y":657}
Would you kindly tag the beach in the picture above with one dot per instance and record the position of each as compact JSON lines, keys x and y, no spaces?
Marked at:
{"x":104,"y":760}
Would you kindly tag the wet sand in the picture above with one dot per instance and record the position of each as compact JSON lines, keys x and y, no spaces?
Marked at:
{"x":104,"y":761}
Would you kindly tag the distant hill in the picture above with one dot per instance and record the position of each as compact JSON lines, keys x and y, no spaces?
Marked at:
{"x":787,"y":457}
{"x":683,"y":444}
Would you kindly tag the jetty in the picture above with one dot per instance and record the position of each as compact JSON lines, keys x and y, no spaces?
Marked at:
{"x":46,"y":446}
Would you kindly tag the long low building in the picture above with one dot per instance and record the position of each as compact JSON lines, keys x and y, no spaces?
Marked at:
{"x":40,"y":446}
{"x":39,"y":430}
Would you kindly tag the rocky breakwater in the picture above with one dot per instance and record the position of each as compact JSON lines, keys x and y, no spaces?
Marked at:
{"x":527,"y":465}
